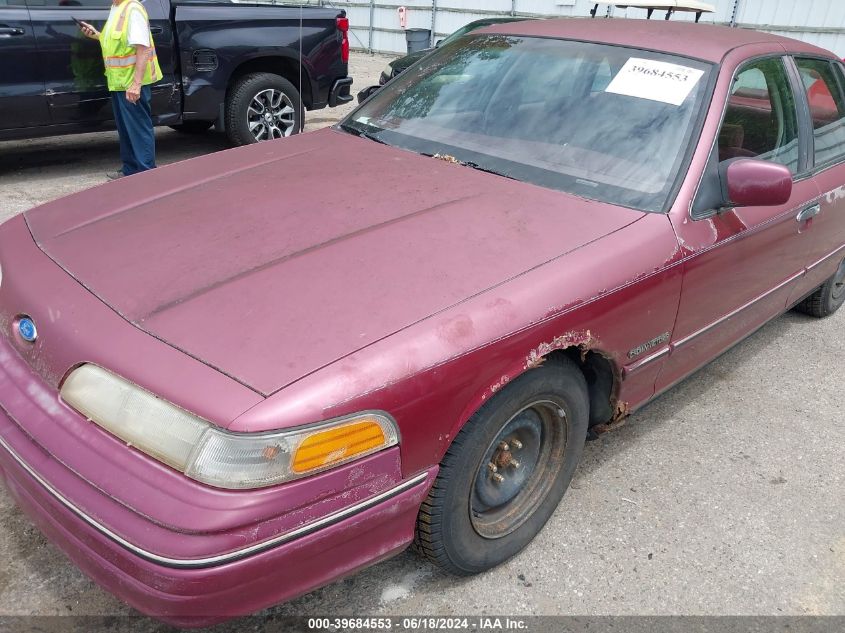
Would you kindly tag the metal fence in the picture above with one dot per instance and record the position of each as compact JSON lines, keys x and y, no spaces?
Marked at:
{"x":375,"y":23}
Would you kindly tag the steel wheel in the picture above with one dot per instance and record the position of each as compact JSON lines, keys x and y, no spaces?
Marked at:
{"x":271,"y":115}
{"x":517,"y":470}
{"x":506,"y":470}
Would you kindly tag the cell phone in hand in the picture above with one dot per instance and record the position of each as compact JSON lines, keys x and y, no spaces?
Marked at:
{"x":79,"y":22}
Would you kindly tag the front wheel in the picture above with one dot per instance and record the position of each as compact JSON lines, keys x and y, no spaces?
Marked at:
{"x":262,"y":107}
{"x":828,"y":298}
{"x":506,"y":471}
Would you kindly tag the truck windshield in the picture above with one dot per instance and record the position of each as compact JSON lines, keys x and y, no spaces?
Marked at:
{"x":602,"y":122}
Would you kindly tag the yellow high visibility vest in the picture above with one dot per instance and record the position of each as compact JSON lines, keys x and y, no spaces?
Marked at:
{"x":118,"y":56}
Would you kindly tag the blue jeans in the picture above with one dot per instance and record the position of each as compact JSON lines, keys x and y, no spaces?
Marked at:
{"x":135,"y":129}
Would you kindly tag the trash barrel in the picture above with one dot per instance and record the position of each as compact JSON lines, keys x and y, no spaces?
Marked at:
{"x":418,"y":39}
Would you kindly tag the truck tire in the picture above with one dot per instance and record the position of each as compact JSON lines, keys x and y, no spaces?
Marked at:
{"x":262,"y":107}
{"x":192,"y":127}
{"x":506,"y":471}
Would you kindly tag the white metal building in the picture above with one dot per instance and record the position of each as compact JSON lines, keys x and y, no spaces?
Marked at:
{"x":376,"y":24}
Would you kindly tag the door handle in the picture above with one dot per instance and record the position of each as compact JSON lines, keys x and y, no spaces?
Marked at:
{"x":810,"y":212}
{"x":156,"y":30}
{"x":10,"y":31}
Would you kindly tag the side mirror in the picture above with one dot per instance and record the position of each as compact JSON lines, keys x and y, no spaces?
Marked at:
{"x":438,"y":43}
{"x":747,"y":182}
{"x":366,"y":93}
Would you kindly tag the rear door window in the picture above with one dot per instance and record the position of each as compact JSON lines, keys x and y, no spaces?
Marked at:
{"x":823,"y":84}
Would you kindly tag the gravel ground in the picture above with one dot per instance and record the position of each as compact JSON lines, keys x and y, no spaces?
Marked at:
{"x":723,"y":497}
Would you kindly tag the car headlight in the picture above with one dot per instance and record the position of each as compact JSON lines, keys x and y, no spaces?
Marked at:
{"x":211,"y":455}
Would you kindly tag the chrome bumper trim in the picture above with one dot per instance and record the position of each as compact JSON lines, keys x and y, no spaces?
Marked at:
{"x":221,"y":559}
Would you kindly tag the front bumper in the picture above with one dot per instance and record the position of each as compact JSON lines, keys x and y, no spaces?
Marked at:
{"x":185,"y":578}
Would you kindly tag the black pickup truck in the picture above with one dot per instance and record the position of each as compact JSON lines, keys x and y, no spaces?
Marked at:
{"x":236,"y":65}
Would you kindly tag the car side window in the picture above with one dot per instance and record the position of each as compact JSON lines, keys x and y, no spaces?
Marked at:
{"x":760,"y":119}
{"x":823,"y":83}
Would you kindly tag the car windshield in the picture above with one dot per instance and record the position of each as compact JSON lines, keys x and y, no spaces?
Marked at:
{"x":472,"y":26}
{"x":607,"y":123}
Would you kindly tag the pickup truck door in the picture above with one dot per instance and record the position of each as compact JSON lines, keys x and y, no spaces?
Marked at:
{"x":73,"y":64}
{"x":741,"y":266}
{"x":22,"y":101}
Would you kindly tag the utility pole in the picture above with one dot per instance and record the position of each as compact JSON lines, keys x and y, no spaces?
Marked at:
{"x":372,"y":25}
{"x":433,"y":22}
{"x":734,"y":12}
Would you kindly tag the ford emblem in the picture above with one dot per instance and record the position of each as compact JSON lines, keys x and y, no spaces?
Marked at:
{"x":27,"y":329}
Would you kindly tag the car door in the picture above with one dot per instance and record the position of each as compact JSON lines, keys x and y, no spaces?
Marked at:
{"x":22,"y":101}
{"x":742,"y":264}
{"x":74,"y":74}
{"x":824,"y":96}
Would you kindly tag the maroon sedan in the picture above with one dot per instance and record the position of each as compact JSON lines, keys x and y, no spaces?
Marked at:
{"x":229,"y":381}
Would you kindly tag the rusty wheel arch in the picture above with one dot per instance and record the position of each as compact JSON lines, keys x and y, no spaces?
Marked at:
{"x":603,"y":383}
{"x":602,"y":374}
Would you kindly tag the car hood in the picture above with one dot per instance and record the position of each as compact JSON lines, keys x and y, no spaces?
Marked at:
{"x":269,"y":262}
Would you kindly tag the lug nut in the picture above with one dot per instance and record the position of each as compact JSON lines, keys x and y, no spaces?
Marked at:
{"x":492,"y":467}
{"x":498,"y":478}
{"x":514,"y":463}
{"x":503,"y":446}
{"x":516,"y":444}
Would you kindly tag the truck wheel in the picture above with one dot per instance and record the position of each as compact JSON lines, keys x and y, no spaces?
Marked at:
{"x":506,"y":471}
{"x":828,"y":298}
{"x":262,"y":107}
{"x":192,"y":127}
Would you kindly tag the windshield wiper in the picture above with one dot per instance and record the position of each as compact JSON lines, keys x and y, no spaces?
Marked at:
{"x":362,"y":133}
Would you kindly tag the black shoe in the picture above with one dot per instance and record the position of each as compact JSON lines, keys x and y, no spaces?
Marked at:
{"x":114,"y":175}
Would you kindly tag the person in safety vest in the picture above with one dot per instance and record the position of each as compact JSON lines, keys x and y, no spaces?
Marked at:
{"x":131,"y":66}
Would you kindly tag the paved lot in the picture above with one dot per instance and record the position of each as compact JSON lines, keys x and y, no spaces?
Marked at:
{"x":723,"y":497}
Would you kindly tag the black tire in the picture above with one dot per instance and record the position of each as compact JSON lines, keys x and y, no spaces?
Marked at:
{"x":459,"y":527}
{"x":192,"y":127}
{"x":286,"y":119}
{"x":828,"y":298}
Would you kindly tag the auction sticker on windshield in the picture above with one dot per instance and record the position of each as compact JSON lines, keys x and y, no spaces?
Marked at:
{"x":658,"y":81}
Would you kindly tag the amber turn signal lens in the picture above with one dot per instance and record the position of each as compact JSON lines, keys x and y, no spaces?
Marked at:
{"x":337,"y":444}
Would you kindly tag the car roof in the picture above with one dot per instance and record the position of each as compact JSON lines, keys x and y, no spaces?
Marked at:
{"x":701,"y":41}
